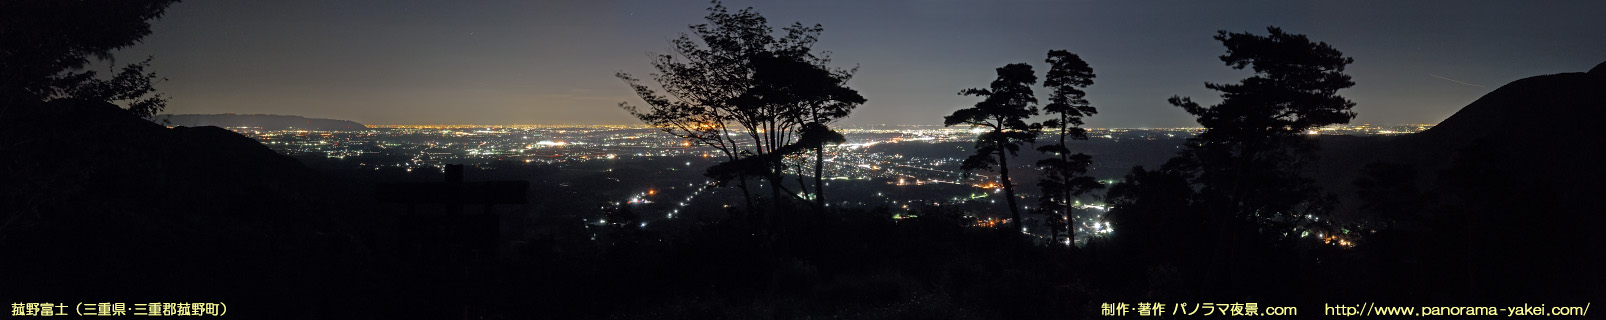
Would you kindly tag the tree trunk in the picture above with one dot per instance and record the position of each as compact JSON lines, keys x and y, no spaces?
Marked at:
{"x":775,"y":190}
{"x":819,"y":185}
{"x":1009,"y":188}
{"x":747,"y":196}
{"x":1065,"y":181}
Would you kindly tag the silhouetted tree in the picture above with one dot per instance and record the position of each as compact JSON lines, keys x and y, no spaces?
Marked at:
{"x":736,"y":78}
{"x":132,"y":87}
{"x":1248,"y":162}
{"x":1003,"y":111}
{"x":1064,"y":174}
{"x":44,"y":44}
{"x":794,"y":96}
{"x":1248,"y":159}
{"x":700,"y":79}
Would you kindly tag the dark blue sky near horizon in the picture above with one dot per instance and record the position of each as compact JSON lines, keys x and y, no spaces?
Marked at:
{"x":552,"y":62}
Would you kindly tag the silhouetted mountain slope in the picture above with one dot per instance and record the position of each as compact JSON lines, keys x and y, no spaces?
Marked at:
{"x":264,"y":121}
{"x":1543,"y":126}
{"x":99,"y":205}
{"x":1534,"y":107}
{"x":79,"y":149}
{"x":1517,"y":173}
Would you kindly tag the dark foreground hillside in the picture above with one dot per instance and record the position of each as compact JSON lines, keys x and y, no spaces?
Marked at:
{"x":100,"y":206}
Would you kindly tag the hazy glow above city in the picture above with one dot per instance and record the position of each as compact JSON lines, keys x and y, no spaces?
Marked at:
{"x":553,"y":62}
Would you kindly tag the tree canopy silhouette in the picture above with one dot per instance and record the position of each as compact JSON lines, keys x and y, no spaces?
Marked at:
{"x":1065,"y":174}
{"x":1003,"y":111}
{"x":735,"y":78}
{"x":805,"y":96}
{"x":1238,"y":188}
{"x":44,"y":45}
{"x":1248,"y":159}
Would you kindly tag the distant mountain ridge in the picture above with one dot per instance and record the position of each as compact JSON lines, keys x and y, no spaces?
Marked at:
{"x":264,"y":121}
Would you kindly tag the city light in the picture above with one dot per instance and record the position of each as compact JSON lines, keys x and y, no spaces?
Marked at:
{"x":859,"y":159}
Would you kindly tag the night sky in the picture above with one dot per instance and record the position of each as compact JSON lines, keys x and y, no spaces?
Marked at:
{"x":516,"y":62}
